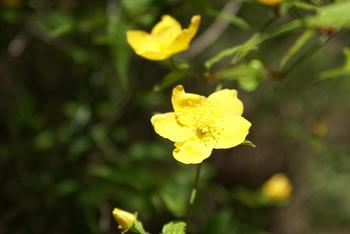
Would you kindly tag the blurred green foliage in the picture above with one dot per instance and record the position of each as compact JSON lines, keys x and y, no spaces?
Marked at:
{"x":76,"y":102}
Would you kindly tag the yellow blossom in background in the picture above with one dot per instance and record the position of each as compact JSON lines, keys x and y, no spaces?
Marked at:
{"x":200,"y":124}
{"x":320,"y":128}
{"x":271,"y":2}
{"x":166,"y":38}
{"x":278,"y":188}
{"x":124,"y":218}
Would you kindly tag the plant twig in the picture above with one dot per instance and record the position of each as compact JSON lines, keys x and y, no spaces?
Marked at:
{"x":214,"y":31}
{"x":193,"y":193}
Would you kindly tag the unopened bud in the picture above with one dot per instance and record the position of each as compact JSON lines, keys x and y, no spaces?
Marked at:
{"x":123,"y":218}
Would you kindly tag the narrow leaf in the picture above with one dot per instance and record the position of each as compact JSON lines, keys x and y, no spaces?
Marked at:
{"x":242,"y":50}
{"x":171,"y":78}
{"x":248,"y":143}
{"x":299,"y":43}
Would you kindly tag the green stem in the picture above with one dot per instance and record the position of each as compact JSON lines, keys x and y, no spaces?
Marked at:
{"x":173,"y":65}
{"x":193,"y":192}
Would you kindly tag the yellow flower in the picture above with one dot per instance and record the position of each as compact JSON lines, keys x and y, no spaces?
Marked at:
{"x":320,"y":128}
{"x":124,"y":219}
{"x":278,"y":188}
{"x":199,"y":124}
{"x":271,"y":2}
{"x":166,"y":38}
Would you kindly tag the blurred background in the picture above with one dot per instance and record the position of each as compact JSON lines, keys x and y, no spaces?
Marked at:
{"x":75,"y":107}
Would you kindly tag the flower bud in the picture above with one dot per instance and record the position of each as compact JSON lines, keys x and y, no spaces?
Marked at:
{"x":278,"y":188}
{"x":124,"y":219}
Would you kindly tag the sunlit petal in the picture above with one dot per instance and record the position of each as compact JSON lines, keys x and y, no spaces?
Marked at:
{"x":166,"y":31}
{"x":191,"y":151}
{"x":167,"y":126}
{"x":231,"y":131}
{"x":186,"y":105}
{"x":145,"y":45}
{"x":182,"y":41}
{"x":226,"y":102}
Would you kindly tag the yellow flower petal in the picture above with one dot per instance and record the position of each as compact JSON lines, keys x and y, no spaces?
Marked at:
{"x":166,"y":38}
{"x":191,"y":152}
{"x":182,"y":41}
{"x":182,"y":100}
{"x":226,"y":101}
{"x":185,"y":105}
{"x":167,"y":126}
{"x":166,"y":31}
{"x":232,"y":131}
{"x":145,"y":45}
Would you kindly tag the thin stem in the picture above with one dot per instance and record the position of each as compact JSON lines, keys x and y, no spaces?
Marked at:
{"x":172,"y":63}
{"x":193,"y":192}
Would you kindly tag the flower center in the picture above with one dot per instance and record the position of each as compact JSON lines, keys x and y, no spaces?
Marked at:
{"x":203,"y":119}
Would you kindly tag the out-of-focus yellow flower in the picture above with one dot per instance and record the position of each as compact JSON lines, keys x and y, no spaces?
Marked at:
{"x":271,"y":2}
{"x":166,"y":38}
{"x":125,"y":219}
{"x":199,"y":124}
{"x":278,"y":188}
{"x":320,"y":128}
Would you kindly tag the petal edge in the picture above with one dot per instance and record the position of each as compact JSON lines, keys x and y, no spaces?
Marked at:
{"x":191,"y":152}
{"x":166,"y":126}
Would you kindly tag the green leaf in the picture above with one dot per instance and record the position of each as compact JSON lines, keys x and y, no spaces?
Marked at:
{"x":56,"y":24}
{"x":138,"y":227}
{"x":247,"y":75}
{"x":172,"y":77}
{"x":175,"y":199}
{"x":299,"y":43}
{"x":242,"y":50}
{"x":284,"y":28}
{"x":248,"y":143}
{"x":45,"y":139}
{"x":335,"y":15}
{"x":239,"y":50}
{"x":174,"y":227}
{"x":304,"y":6}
